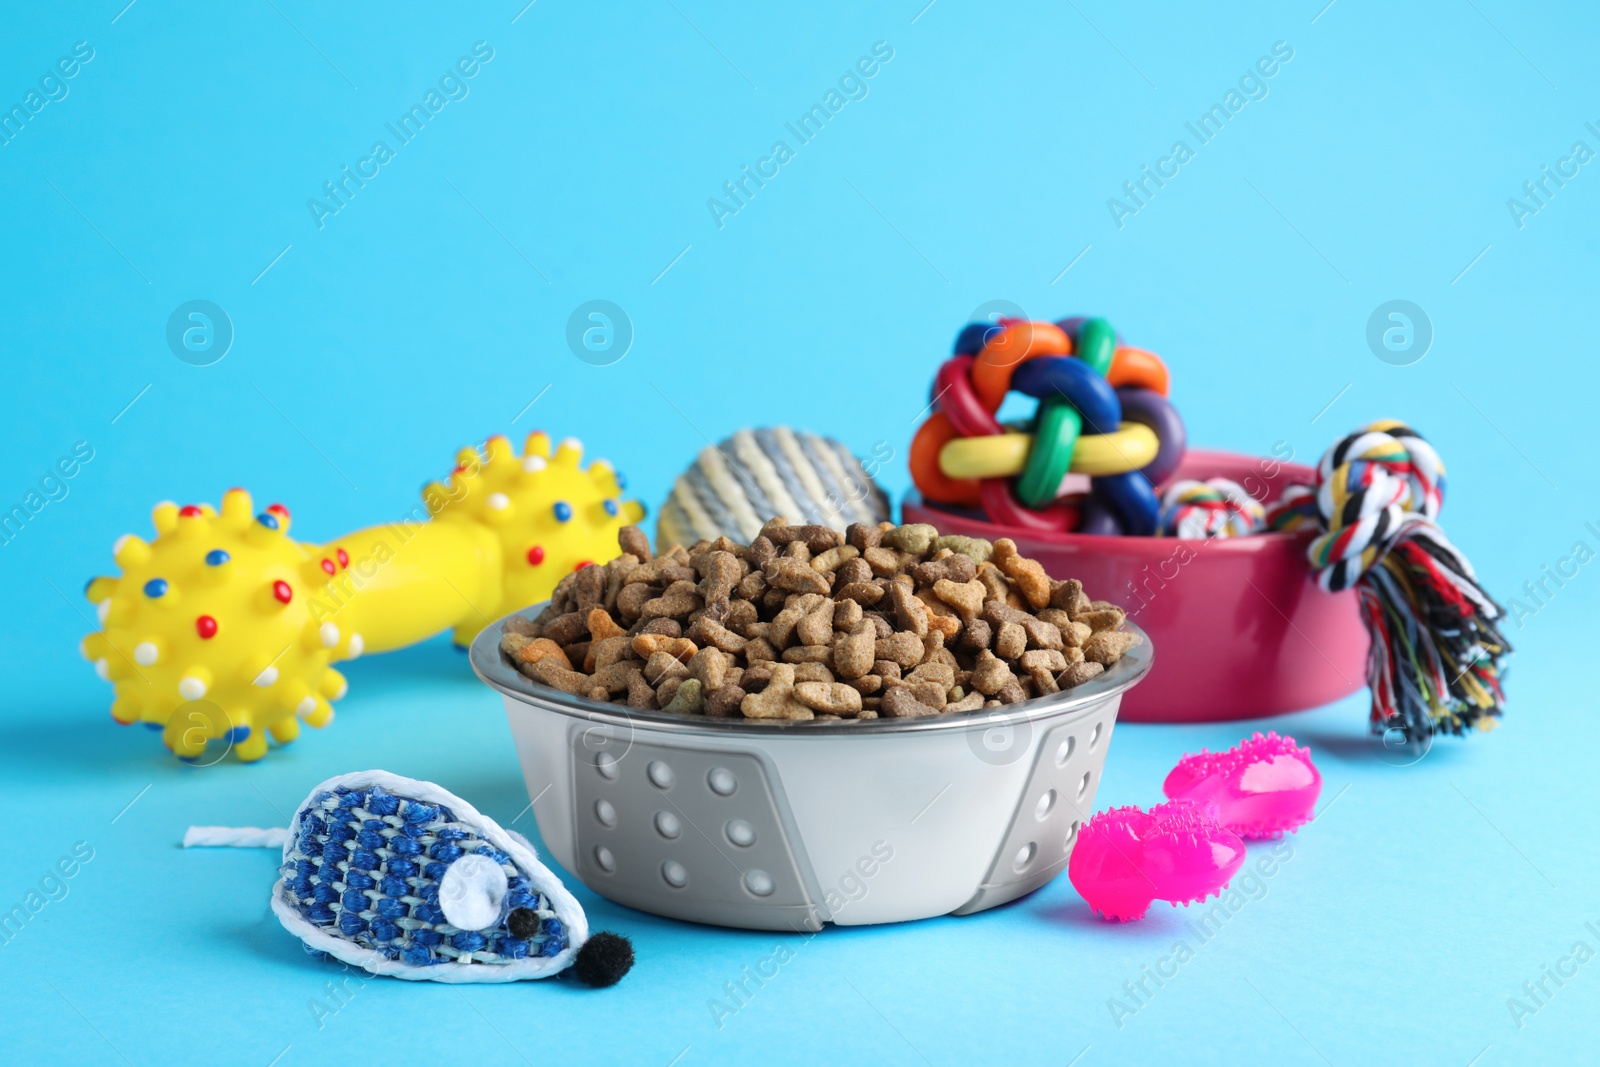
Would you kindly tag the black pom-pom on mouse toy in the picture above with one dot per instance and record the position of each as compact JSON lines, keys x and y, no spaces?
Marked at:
{"x":403,"y":878}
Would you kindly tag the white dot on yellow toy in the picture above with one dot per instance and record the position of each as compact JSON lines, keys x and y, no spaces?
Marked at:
{"x":227,"y":619}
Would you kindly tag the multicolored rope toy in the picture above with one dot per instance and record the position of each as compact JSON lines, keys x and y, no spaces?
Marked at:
{"x":1216,"y":507}
{"x":1437,"y":655}
{"x":1102,"y":412}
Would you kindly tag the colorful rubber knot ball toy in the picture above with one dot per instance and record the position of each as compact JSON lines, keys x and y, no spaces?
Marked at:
{"x":1101,"y":439}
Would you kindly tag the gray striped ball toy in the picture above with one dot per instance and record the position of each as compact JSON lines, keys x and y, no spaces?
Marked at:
{"x":735,"y":486}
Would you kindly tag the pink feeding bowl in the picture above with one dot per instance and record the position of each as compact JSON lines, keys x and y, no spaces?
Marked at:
{"x":1244,"y":630}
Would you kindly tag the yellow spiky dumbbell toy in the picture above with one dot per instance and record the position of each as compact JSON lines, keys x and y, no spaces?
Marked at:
{"x":225,"y":628}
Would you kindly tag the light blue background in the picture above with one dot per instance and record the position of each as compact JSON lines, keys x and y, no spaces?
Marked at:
{"x":431,"y":310}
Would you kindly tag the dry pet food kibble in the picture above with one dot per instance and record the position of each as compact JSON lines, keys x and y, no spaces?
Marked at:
{"x":805,"y":625}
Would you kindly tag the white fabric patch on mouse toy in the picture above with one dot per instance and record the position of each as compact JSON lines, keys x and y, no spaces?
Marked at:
{"x":403,"y":878}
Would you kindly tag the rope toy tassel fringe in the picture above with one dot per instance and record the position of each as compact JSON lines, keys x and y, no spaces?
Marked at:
{"x":1437,"y":655}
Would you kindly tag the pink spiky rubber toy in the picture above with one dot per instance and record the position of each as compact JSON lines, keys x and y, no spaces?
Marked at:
{"x":1128,"y":858}
{"x":1258,"y":788}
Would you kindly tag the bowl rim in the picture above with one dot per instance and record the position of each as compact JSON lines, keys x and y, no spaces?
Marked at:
{"x":491,"y":667}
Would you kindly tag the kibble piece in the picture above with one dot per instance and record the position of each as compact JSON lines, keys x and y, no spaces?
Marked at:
{"x":588,"y":588}
{"x":808,"y":654}
{"x":677,"y":602}
{"x":900,"y":703}
{"x":710,"y":667}
{"x":687,"y":700}
{"x":813,"y":672}
{"x":640,"y":695}
{"x":915,"y":538}
{"x":566,"y":628}
{"x":863,"y":535}
{"x":885,"y":562}
{"x":578,"y":654}
{"x":794,"y":576}
{"x":780,"y":631}
{"x":1042,"y":634}
{"x":905,"y":649}
{"x":1056,"y":617}
{"x":1103,"y":620}
{"x":847,"y":615}
{"x":866,"y":685}
{"x":721,"y":573}
{"x":615,"y":677}
{"x":852,"y":570}
{"x":706,"y":631}
{"x":971,"y":702}
{"x":759,"y":650}
{"x":833,"y":698}
{"x":632,"y":599}
{"x":1079,"y":673}
{"x":965,"y":597}
{"x":666,"y":689}
{"x":647,"y":645}
{"x":816,"y":628}
{"x":523,"y":626}
{"x":990,"y":674}
{"x":1010,"y":641}
{"x":974,"y":548}
{"x":886,"y":669}
{"x":854,"y":652}
{"x":607,"y":652}
{"x":540,"y":648}
{"x":664,"y":627}
{"x":1012,"y":692}
{"x":1069,"y":597}
{"x":663,"y":665}
{"x":994,"y":582}
{"x":911,"y":613}
{"x":957,"y":569}
{"x":941,"y":674}
{"x":815,"y":537}
{"x":833,"y":557}
{"x":976,"y":636}
{"x":1106,"y":646}
{"x":1040,"y":659}
{"x":634,"y":542}
{"x":723,"y":702}
{"x":777,"y":700}
{"x":864,"y":593}
{"x":551,"y":673}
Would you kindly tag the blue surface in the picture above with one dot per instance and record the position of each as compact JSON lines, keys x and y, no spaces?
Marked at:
{"x":432,"y":309}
